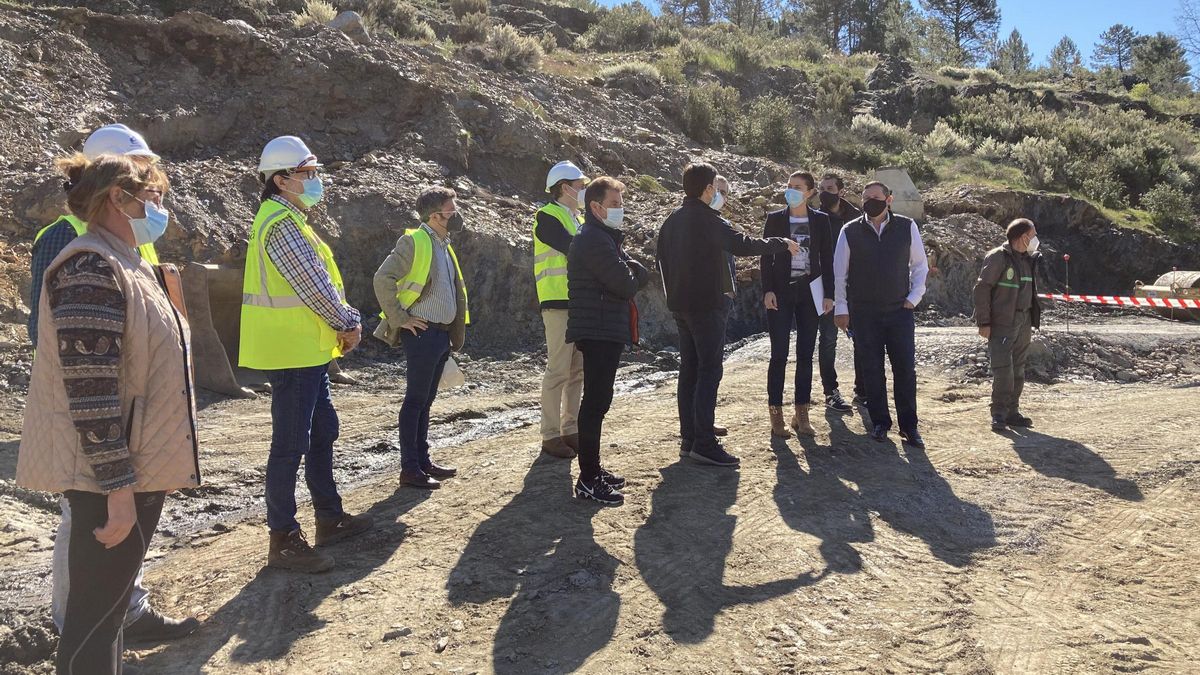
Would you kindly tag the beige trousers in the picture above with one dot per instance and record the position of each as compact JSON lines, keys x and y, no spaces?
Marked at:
{"x":562,"y":385}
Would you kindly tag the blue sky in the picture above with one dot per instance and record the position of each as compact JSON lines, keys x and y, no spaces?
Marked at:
{"x":1044,"y":22}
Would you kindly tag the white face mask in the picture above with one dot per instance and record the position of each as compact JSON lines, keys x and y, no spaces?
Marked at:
{"x":615,"y":217}
{"x":1033,"y":245}
{"x":717,"y":202}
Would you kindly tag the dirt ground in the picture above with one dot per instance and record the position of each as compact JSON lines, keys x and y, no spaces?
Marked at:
{"x":1070,"y":548}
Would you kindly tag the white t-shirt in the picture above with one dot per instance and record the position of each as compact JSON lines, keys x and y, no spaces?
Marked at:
{"x":801,"y":234}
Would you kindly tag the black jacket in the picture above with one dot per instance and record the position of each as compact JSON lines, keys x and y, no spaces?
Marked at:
{"x":777,"y":268}
{"x":692,"y":255}
{"x":837,"y":221}
{"x":601,"y":279}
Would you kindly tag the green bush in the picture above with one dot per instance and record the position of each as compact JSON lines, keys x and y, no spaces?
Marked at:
{"x":919,"y":166}
{"x":710,"y":113}
{"x":472,"y":28}
{"x":769,"y":128}
{"x":398,"y":18}
{"x":1168,"y":206}
{"x":944,"y":141}
{"x":516,"y":51}
{"x":986,"y":76}
{"x":315,"y":11}
{"x":746,"y":59}
{"x":463,"y":8}
{"x":994,"y":150}
{"x":649,"y":184}
{"x":627,"y":28}
{"x":549,"y":42}
{"x":884,"y":134}
{"x":954,"y":72}
{"x":638,"y":69}
{"x":1105,"y":190}
{"x":835,"y":96}
{"x":1043,"y":160}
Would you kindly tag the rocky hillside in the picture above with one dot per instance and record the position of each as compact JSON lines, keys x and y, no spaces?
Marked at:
{"x":210,"y":82}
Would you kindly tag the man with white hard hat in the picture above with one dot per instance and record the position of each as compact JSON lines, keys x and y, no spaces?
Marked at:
{"x":554,"y":225}
{"x":143,"y":624}
{"x":295,"y":321}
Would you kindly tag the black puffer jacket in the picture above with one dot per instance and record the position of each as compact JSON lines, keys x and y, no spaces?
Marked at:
{"x":602,"y":279}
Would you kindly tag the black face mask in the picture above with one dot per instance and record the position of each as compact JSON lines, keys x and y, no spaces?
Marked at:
{"x":828,"y":200}
{"x":874,"y":207}
{"x":455,"y":224}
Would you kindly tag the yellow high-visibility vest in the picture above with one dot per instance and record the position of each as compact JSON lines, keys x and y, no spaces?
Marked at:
{"x":409,"y":288}
{"x":278,"y":330}
{"x":550,"y":264}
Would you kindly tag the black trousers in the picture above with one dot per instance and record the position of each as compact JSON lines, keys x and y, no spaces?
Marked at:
{"x":600,"y":361}
{"x":101,"y":582}
{"x":701,"y":354}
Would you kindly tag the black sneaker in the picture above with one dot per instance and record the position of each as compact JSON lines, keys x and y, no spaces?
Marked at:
{"x":859,"y":399}
{"x":598,"y":490}
{"x":1019,"y":420}
{"x":998,"y":423}
{"x":685,"y":448}
{"x":715,"y":455}
{"x":879,"y":433}
{"x":153,"y":627}
{"x":834,"y":401}
{"x":613,"y":480}
{"x":912,"y":437}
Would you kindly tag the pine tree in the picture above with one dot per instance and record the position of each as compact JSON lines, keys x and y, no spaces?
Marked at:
{"x":1012,"y":56}
{"x":1162,"y":61}
{"x":1115,"y":48}
{"x":970,"y":24}
{"x":1065,"y":58}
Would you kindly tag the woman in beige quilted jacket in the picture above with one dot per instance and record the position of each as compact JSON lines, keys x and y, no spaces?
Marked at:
{"x":110,"y":417}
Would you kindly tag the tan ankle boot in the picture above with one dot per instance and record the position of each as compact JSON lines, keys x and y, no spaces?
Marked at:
{"x":778,"y":428}
{"x":800,"y":421}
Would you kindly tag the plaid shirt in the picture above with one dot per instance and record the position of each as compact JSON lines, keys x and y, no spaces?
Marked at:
{"x":44,"y":252}
{"x":298,"y":263}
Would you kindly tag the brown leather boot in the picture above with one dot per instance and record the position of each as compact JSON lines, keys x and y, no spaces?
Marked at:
{"x":557,"y":447}
{"x":778,"y":428}
{"x":291,"y":551}
{"x":800,"y":421}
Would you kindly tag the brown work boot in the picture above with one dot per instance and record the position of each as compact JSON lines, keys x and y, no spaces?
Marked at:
{"x":800,"y":421}
{"x":557,"y":447}
{"x":778,"y":428}
{"x":290,"y":551}
{"x":333,"y":530}
{"x":572,"y":441}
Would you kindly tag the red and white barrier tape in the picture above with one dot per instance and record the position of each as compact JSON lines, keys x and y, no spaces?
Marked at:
{"x":1177,"y":303}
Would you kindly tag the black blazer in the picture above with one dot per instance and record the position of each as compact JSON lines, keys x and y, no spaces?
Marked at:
{"x":777,"y":268}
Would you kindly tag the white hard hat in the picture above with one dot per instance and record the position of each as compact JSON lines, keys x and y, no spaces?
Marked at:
{"x":286,"y":153}
{"x":563,"y":171}
{"x":116,"y":139}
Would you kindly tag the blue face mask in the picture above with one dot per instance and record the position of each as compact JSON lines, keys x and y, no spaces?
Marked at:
{"x":148,"y":229}
{"x":314,"y":190}
{"x":794,"y":197}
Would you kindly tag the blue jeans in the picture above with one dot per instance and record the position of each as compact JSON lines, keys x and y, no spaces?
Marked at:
{"x":894,"y":332}
{"x":426,"y":353}
{"x":701,"y":354}
{"x":303,"y":424}
{"x":779,"y":325}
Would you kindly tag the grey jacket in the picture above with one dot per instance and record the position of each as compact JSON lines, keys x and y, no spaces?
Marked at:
{"x":390,"y":272}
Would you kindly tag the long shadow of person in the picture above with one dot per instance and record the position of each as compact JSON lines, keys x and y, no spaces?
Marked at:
{"x":681,"y":549}
{"x":541,"y":546}
{"x":913,"y":498}
{"x":819,"y":503}
{"x":277,"y":608}
{"x":1071,"y":460}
